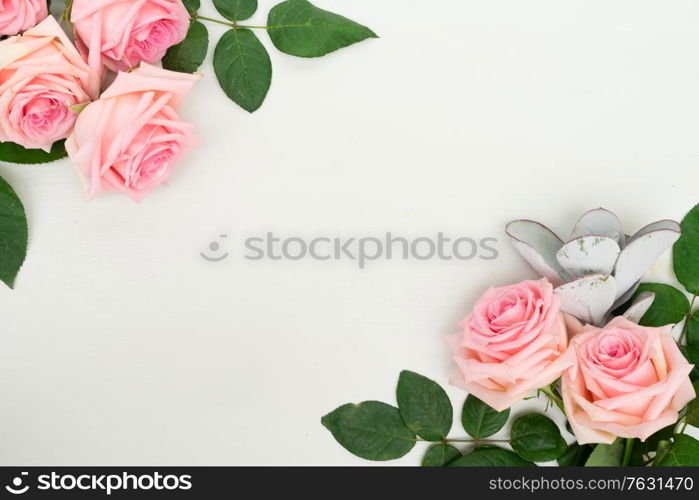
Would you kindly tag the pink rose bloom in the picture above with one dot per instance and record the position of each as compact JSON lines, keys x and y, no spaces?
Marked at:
{"x":119,"y":34}
{"x":41,"y":76}
{"x":629,"y":381}
{"x":20,"y":15}
{"x":131,"y":138}
{"x":513,"y":342}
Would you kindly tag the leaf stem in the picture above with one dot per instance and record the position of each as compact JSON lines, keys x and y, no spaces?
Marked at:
{"x":197,"y":17}
{"x":687,"y":319}
{"x":231,"y":24}
{"x":467,"y":440}
{"x":628,"y":449}
{"x":553,"y":396}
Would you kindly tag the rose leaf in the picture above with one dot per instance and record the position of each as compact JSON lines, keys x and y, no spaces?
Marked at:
{"x":243,"y":68}
{"x":480,"y":420}
{"x":424,"y":406}
{"x":189,"y":54}
{"x":491,"y":457}
{"x":236,"y":10}
{"x":685,"y":253}
{"x":301,"y":29}
{"x":440,"y":455}
{"x":537,"y":438}
{"x":370,"y":430}
{"x":14,"y":153}
{"x":13,"y":234}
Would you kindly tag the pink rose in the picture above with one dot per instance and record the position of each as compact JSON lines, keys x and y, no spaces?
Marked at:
{"x":119,"y":34}
{"x":41,"y":76}
{"x":20,"y":15}
{"x":131,"y":138}
{"x":513,"y":342}
{"x":629,"y":381}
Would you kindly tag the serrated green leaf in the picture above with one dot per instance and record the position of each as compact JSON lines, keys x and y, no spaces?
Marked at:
{"x":669,"y":307}
{"x":424,"y":406}
{"x":14,"y":153}
{"x":606,"y":455}
{"x":491,"y":457}
{"x":243,"y":68}
{"x":236,"y":10}
{"x":480,"y":420}
{"x":576,"y":455}
{"x":301,"y":29}
{"x":13,"y":234}
{"x":683,"y":452}
{"x":685,"y":252}
{"x":440,"y":455}
{"x":692,"y":415}
{"x":371,"y":430}
{"x":191,"y":5}
{"x":537,"y":438}
{"x":189,"y":54}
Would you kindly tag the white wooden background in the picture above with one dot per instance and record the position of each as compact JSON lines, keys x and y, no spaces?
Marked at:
{"x":120,"y":345}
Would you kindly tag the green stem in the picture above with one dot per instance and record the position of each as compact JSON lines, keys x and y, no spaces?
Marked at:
{"x":551,"y":394}
{"x":230,"y":24}
{"x":687,"y":318}
{"x":196,"y":16}
{"x":628,"y":449}
{"x":467,"y":440}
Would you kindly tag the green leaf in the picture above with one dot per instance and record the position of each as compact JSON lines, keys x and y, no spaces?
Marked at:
{"x":299,"y":28}
{"x":683,"y":452}
{"x":480,"y":420}
{"x":606,"y":455}
{"x":14,"y":153}
{"x":662,"y":451}
{"x":685,"y":252}
{"x":236,"y":10}
{"x":693,"y":330}
{"x":669,"y":307}
{"x":13,"y":234}
{"x":424,"y":406}
{"x":189,"y":54}
{"x":537,"y":438}
{"x":243,"y":68}
{"x":440,"y":455}
{"x":576,"y":455}
{"x":692,"y":415}
{"x":490,"y":457}
{"x":370,"y":430}
{"x":691,"y":352}
{"x":191,"y":5}
{"x":642,"y":449}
